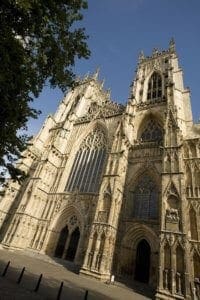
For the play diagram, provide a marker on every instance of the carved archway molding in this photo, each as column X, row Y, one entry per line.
column 148, row 115
column 128, row 253
column 151, row 171
column 138, row 232
column 94, row 125
column 69, row 216
column 63, row 217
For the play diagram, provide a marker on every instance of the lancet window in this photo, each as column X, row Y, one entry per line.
column 154, row 92
column 145, row 197
column 88, row 163
column 152, row 132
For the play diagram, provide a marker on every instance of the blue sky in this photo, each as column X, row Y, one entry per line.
column 118, row 30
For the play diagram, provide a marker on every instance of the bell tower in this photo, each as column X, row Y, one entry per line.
column 153, row 213
column 159, row 83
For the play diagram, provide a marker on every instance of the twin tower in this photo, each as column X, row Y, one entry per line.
column 113, row 188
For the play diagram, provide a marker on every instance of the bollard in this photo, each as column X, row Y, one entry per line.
column 20, row 276
column 38, row 283
column 86, row 295
column 6, row 269
column 60, row 291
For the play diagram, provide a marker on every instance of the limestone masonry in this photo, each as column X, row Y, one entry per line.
column 113, row 188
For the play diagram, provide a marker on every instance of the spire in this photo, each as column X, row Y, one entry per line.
column 102, row 83
column 96, row 73
column 172, row 45
column 87, row 75
column 78, row 78
column 155, row 51
column 108, row 93
column 141, row 56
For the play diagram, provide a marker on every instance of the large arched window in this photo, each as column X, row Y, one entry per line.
column 152, row 132
column 88, row 163
column 154, row 87
column 145, row 197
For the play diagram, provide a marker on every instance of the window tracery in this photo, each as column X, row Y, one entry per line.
column 88, row 163
column 94, row 140
column 152, row 132
column 145, row 197
column 154, row 87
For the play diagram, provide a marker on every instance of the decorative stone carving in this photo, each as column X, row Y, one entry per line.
column 102, row 216
column 73, row 220
column 172, row 215
column 96, row 139
column 106, row 109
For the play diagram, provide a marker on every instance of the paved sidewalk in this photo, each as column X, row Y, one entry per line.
column 54, row 273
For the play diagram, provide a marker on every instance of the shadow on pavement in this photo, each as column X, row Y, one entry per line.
column 137, row 287
column 48, row 290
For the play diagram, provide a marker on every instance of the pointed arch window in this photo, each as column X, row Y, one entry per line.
column 151, row 132
column 88, row 163
column 145, row 197
column 154, row 92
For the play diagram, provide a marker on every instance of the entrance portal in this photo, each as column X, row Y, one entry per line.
column 73, row 244
column 142, row 261
column 61, row 242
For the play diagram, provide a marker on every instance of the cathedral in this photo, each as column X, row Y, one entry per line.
column 115, row 188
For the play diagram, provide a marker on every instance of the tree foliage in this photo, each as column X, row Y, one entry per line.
column 39, row 41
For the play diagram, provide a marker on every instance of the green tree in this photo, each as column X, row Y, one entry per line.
column 39, row 42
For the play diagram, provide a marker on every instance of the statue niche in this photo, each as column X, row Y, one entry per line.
column 105, row 206
column 172, row 213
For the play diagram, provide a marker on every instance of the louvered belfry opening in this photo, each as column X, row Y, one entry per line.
column 154, row 92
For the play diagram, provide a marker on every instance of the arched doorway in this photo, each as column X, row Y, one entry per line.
column 73, row 244
column 142, row 261
column 61, row 242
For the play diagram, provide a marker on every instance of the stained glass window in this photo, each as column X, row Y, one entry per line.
column 88, row 163
column 152, row 132
column 154, row 87
column 145, row 197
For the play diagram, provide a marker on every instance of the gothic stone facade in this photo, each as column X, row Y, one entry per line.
column 113, row 188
